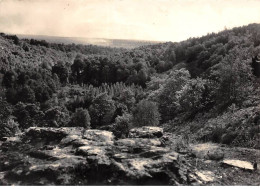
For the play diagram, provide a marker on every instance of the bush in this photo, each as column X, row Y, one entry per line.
column 57, row 116
column 9, row 128
column 7, row 125
column 122, row 125
column 182, row 144
column 217, row 134
column 28, row 115
column 80, row 118
column 191, row 95
column 228, row 138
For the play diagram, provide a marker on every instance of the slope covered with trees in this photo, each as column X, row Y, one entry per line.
column 204, row 87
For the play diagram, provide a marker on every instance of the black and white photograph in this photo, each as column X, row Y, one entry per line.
column 129, row 93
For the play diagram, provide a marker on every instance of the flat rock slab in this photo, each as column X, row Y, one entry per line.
column 91, row 150
column 146, row 132
column 206, row 176
column 98, row 135
column 145, row 167
column 137, row 142
column 238, row 163
column 52, row 133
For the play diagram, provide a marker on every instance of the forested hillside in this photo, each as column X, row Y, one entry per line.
column 203, row 88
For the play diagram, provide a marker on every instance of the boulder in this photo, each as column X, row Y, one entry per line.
column 146, row 132
column 215, row 155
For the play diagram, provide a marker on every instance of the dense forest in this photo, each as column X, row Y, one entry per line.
column 206, row 88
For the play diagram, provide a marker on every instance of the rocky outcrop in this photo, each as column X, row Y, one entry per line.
column 72, row 156
column 146, row 132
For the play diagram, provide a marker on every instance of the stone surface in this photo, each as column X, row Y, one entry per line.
column 215, row 155
column 146, row 132
column 138, row 142
column 207, row 151
column 206, row 176
column 72, row 156
column 98, row 135
column 238, row 163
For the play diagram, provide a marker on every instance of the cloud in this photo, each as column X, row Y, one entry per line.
column 169, row 20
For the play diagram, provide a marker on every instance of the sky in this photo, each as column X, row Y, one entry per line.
column 155, row 20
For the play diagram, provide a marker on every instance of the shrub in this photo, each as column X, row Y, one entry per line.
column 217, row 134
column 57, row 116
column 80, row 118
column 122, row 125
column 228, row 138
column 182, row 144
column 191, row 95
column 27, row 115
column 7, row 125
column 9, row 128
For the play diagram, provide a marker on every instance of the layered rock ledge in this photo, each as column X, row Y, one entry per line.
column 74, row 156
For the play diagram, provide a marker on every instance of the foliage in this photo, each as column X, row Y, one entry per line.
column 80, row 118
column 146, row 114
column 202, row 86
column 102, row 110
column 8, row 127
column 127, row 97
column 234, row 75
column 190, row 97
column 9, row 79
column 56, row 116
column 168, row 96
column 122, row 125
column 62, row 72
column 26, row 94
column 28, row 115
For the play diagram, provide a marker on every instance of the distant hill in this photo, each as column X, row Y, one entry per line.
column 115, row 43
